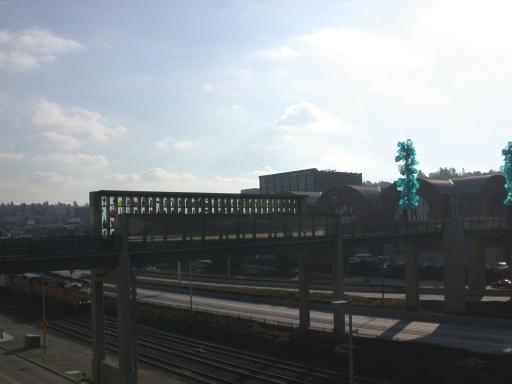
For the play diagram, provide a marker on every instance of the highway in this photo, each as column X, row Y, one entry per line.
column 372, row 292
column 472, row 337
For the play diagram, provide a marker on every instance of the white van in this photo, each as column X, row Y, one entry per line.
column 360, row 258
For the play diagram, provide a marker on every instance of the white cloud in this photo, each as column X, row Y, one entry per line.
column 160, row 174
column 24, row 50
column 267, row 170
column 49, row 178
column 160, row 179
column 181, row 145
column 91, row 124
column 279, row 53
column 306, row 125
column 39, row 186
column 11, row 157
column 207, row 87
column 73, row 161
column 57, row 140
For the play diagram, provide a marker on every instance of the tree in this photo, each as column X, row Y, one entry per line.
column 408, row 184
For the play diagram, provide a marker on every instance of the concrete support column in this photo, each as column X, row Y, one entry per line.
column 125, row 326
column 304, row 306
column 98, row 327
column 338, row 289
column 124, row 322
column 454, row 266
column 412, row 277
column 507, row 249
column 477, row 275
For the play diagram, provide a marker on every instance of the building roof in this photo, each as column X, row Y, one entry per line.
column 310, row 170
column 469, row 184
column 370, row 193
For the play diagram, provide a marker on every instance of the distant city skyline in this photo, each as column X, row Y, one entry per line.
column 207, row 96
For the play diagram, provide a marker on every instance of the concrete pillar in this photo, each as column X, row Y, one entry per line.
column 126, row 371
column 477, row 275
column 507, row 249
column 304, row 306
column 125, row 327
column 412, row 277
column 98, row 327
column 454, row 266
column 338, row 289
column 124, row 322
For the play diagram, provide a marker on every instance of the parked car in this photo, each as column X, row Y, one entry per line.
column 501, row 265
column 360, row 258
column 151, row 268
column 503, row 283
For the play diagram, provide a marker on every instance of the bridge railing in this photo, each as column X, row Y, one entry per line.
column 57, row 246
column 487, row 223
column 390, row 229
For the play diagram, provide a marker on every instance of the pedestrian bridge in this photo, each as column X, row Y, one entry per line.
column 154, row 238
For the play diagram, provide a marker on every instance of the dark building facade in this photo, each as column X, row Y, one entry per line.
column 307, row 180
column 475, row 196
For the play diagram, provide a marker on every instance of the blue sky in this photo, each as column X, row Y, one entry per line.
column 207, row 95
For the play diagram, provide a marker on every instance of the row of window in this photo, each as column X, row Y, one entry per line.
column 112, row 206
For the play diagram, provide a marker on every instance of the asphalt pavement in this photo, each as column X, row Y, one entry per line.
column 472, row 337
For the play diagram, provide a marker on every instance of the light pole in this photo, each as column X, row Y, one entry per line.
column 44, row 322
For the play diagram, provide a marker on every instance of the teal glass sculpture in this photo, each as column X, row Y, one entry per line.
column 507, row 171
column 408, row 184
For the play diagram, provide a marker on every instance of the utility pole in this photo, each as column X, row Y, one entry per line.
column 179, row 272
column 190, row 282
column 44, row 322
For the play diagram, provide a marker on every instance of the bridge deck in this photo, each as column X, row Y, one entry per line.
column 158, row 234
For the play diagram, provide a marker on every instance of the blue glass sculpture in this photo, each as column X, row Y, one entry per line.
column 408, row 184
column 507, row 171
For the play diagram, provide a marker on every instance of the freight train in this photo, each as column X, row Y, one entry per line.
column 58, row 292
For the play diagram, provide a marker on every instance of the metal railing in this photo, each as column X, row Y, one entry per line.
column 57, row 247
column 157, row 231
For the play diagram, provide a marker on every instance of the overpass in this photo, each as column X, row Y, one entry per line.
column 137, row 239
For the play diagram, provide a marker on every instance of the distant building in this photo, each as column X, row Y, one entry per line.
column 307, row 180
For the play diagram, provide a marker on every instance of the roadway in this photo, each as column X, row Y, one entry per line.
column 472, row 337
column 371, row 292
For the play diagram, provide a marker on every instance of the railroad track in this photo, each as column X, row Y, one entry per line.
column 195, row 360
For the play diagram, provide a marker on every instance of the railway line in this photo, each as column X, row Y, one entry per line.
column 193, row 360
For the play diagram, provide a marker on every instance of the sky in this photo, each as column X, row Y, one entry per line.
column 208, row 95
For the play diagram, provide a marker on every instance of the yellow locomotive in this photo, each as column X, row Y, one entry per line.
column 58, row 292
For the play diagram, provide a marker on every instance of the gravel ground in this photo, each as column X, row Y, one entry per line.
column 66, row 355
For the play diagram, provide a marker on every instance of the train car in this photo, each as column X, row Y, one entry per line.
column 24, row 285
column 60, row 292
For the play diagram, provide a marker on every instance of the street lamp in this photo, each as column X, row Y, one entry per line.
column 346, row 308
